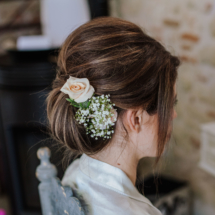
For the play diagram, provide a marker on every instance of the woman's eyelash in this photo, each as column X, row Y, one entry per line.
column 176, row 102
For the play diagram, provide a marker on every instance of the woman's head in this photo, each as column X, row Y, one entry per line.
column 119, row 59
column 143, row 131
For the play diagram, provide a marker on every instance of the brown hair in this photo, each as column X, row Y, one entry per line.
column 119, row 59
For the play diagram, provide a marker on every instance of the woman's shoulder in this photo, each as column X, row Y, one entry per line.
column 71, row 173
column 72, row 167
column 104, row 198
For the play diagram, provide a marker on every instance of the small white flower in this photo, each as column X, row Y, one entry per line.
column 100, row 114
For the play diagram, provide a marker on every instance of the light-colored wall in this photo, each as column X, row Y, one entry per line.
column 187, row 29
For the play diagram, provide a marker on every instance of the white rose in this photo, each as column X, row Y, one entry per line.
column 78, row 89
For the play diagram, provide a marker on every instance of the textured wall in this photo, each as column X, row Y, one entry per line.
column 187, row 29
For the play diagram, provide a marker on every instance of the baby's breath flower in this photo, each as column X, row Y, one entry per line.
column 99, row 117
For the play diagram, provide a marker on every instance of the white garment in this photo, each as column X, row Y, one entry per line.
column 107, row 189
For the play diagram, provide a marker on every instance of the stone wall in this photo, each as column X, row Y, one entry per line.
column 187, row 29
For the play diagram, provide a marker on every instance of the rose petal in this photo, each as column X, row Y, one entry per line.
column 77, row 87
column 85, row 96
column 65, row 88
column 71, row 78
column 80, row 80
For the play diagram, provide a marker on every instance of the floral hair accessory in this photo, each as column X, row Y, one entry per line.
column 96, row 113
column 78, row 89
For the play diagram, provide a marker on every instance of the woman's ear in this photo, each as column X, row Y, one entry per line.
column 133, row 120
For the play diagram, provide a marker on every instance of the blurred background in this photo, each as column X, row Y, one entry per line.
column 31, row 33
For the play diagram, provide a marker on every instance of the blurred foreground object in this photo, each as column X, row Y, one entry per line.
column 2, row 212
column 207, row 161
column 55, row 199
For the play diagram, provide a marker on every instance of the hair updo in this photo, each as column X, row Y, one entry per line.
column 119, row 59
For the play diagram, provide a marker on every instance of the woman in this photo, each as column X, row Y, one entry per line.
column 109, row 61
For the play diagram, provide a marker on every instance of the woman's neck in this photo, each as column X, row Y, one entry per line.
column 122, row 156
